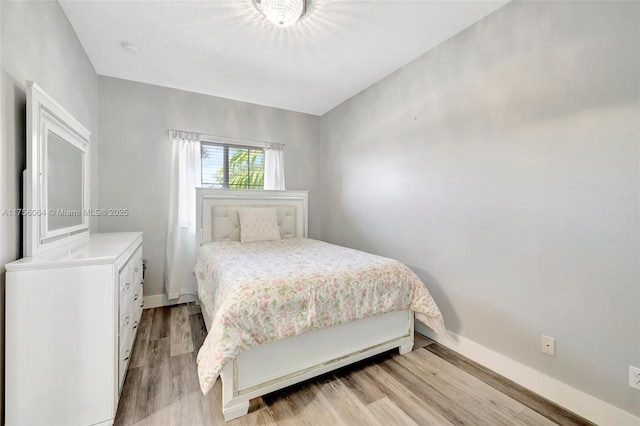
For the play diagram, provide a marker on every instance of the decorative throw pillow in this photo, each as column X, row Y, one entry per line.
column 258, row 224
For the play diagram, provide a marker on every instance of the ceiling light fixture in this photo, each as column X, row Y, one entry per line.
column 282, row 13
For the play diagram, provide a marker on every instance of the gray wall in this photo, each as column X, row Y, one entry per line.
column 37, row 43
column 135, row 154
column 503, row 167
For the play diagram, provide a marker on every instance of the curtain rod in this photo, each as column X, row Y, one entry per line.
column 226, row 139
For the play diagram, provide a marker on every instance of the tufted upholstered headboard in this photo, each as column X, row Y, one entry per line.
column 217, row 212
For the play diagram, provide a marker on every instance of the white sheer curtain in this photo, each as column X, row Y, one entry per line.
column 273, row 167
column 181, row 233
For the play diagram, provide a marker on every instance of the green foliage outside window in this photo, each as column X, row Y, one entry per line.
column 246, row 169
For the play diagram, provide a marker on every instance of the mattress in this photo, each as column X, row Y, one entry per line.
column 263, row 291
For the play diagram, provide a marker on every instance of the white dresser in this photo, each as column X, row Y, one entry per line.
column 72, row 314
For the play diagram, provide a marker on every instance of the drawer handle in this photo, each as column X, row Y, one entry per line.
column 135, row 325
column 135, row 297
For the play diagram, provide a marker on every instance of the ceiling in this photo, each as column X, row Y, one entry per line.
column 227, row 48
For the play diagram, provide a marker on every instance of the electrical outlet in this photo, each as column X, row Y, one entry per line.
column 634, row 377
column 548, row 345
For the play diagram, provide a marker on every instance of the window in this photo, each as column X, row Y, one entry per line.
column 232, row 166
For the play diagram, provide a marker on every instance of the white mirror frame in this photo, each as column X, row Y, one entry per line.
column 45, row 115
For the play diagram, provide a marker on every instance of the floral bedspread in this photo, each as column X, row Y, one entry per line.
column 263, row 291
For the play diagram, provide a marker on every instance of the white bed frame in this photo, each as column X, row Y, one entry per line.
column 274, row 365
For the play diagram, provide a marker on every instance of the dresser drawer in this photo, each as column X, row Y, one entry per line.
column 126, row 285
column 126, row 321
column 125, row 306
column 137, row 302
column 126, row 348
column 136, row 266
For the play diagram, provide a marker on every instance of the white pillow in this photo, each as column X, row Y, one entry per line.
column 258, row 224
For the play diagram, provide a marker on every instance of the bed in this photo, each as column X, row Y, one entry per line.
column 288, row 308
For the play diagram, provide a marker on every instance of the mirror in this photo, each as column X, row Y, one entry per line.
column 56, row 196
column 64, row 182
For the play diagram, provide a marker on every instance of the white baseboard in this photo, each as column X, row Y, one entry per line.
column 572, row 399
column 159, row 300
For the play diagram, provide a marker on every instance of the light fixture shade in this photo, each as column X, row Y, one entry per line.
column 282, row 13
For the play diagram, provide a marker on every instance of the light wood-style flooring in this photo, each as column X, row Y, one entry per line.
column 429, row 386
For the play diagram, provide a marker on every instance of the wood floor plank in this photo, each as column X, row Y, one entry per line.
column 388, row 413
column 127, row 405
column 437, row 398
column 256, row 404
column 420, row 341
column 161, row 327
column 283, row 409
column 198, row 331
column 156, row 418
column 193, row 308
column 344, row 403
column 417, row 409
column 180, row 333
column 301, row 404
column 310, row 407
column 141, row 343
column 186, row 397
column 530, row 417
column 510, row 388
column 458, row 384
column 155, row 385
column 262, row 417
column 361, row 386
column 212, row 404
column 466, row 381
